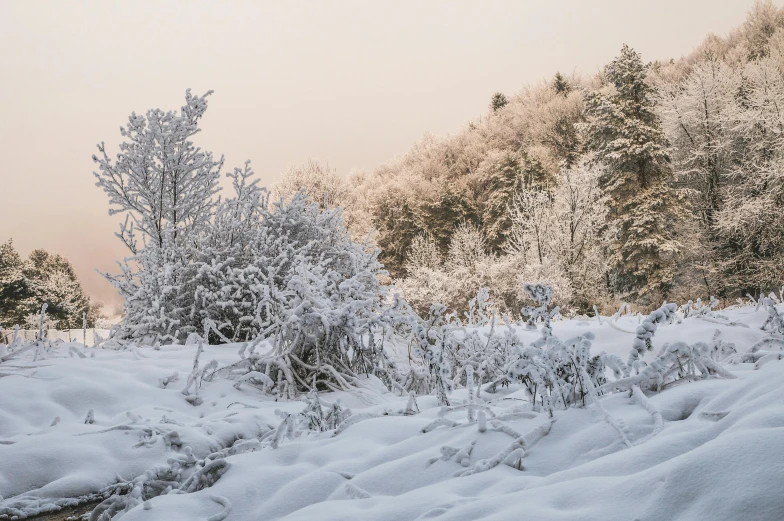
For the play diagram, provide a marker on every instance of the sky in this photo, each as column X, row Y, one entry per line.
column 350, row 83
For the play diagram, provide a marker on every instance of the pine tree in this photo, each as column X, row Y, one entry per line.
column 41, row 278
column 625, row 135
column 13, row 286
column 498, row 102
column 560, row 85
column 52, row 279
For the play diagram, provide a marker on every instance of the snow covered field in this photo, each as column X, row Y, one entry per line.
column 71, row 427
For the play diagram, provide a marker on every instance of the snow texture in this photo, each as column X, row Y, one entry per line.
column 698, row 448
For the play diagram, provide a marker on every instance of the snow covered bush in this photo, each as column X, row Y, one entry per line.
column 300, row 284
column 556, row 374
column 433, row 337
column 285, row 273
column 674, row 362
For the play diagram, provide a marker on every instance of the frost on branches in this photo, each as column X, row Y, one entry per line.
column 287, row 273
column 164, row 186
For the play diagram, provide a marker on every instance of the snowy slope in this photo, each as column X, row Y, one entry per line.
column 720, row 455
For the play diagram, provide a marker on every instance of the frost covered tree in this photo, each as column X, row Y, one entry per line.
column 52, row 279
column 624, row 133
column 575, row 240
column 321, row 183
column 530, row 213
column 328, row 189
column 25, row 284
column 164, row 185
column 699, row 115
column 503, row 174
column 13, row 287
column 750, row 218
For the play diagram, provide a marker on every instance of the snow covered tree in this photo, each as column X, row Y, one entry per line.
column 624, row 133
column 13, row 286
column 41, row 278
column 320, row 182
column 52, row 279
column 165, row 187
column 305, row 287
column 763, row 20
column 750, row 219
column 328, row 189
column 502, row 175
column 697, row 115
column 530, row 214
column 574, row 238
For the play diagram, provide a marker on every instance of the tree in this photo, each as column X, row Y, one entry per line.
column 503, row 174
column 574, row 234
column 498, row 101
column 625, row 136
column 320, row 182
column 165, row 187
column 750, row 218
column 761, row 23
column 700, row 116
column 290, row 275
column 560, row 85
column 52, row 280
column 328, row 189
column 530, row 214
column 41, row 278
column 13, row 286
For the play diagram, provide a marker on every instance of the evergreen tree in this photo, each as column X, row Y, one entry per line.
column 625, row 135
column 498, row 102
column 560, row 85
column 43, row 277
column 52, row 279
column 13, row 286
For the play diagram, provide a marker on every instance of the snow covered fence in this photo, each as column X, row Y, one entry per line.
column 66, row 335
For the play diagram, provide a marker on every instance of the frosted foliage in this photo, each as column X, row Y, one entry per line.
column 286, row 272
column 164, row 186
column 423, row 255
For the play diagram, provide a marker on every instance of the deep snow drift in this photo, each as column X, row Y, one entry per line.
column 71, row 427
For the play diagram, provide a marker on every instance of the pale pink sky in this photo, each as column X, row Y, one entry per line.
column 350, row 83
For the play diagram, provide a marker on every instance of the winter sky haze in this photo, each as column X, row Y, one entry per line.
column 353, row 84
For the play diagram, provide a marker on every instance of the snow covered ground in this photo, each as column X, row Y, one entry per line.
column 719, row 455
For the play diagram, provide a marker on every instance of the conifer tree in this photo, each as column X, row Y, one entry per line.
column 498, row 102
column 625, row 136
column 560, row 85
column 25, row 284
column 13, row 287
column 51, row 279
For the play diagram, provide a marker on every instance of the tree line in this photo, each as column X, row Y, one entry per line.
column 643, row 182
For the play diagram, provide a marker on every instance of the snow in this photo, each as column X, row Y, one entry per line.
column 708, row 449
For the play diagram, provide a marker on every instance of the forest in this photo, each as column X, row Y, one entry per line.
column 641, row 183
